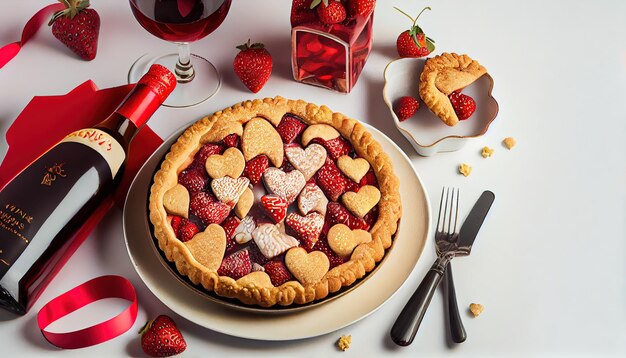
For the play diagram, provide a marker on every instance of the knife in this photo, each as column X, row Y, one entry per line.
column 468, row 233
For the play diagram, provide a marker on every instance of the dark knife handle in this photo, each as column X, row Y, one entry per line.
column 406, row 325
column 457, row 331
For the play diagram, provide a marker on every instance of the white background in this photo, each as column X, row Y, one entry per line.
column 549, row 264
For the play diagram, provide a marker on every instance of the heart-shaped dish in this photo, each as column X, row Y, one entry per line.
column 425, row 131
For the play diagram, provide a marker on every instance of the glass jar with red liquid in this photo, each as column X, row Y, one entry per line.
column 330, row 55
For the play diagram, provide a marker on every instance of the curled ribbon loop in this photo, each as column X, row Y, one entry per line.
column 82, row 295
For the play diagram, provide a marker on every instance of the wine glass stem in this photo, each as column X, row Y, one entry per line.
column 184, row 69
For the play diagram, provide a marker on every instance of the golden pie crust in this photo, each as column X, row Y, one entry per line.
column 444, row 74
column 256, row 288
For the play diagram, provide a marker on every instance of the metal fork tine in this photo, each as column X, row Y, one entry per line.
column 446, row 214
column 440, row 209
column 456, row 214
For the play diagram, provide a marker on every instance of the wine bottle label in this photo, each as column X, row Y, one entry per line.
column 103, row 143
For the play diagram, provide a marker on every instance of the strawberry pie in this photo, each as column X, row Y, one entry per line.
column 275, row 202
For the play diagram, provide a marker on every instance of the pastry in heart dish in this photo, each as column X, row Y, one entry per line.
column 275, row 202
column 443, row 75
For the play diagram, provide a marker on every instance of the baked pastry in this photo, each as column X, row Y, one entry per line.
column 444, row 74
column 275, row 202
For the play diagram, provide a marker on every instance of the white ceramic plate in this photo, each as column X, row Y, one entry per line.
column 425, row 131
column 336, row 314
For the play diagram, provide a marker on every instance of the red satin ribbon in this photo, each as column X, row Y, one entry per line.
column 82, row 295
column 42, row 16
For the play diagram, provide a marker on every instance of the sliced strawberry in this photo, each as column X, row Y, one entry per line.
column 194, row 179
column 183, row 228
column 333, row 258
column 255, row 167
column 463, row 105
column 336, row 147
column 236, row 265
column 229, row 225
column 275, row 206
column 204, row 152
column 369, row 179
column 231, row 140
column 371, row 217
column 332, row 181
column 287, row 167
column 338, row 214
column 278, row 272
column 255, row 254
column 307, row 228
column 206, row 207
column 290, row 127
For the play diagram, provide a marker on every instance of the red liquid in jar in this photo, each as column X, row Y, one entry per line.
column 180, row 20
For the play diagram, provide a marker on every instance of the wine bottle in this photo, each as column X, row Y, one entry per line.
column 42, row 208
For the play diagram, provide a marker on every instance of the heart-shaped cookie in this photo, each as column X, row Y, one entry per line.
column 312, row 198
column 256, row 279
column 287, row 185
column 176, row 201
column 322, row 131
column 217, row 134
column 308, row 161
column 271, row 241
column 307, row 227
column 228, row 190
column 260, row 137
column 243, row 232
column 208, row 247
column 308, row 268
column 354, row 169
column 363, row 201
column 245, row 202
column 231, row 164
column 342, row 240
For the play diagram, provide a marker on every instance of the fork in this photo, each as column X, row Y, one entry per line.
column 446, row 235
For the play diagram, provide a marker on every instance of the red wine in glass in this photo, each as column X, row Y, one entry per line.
column 181, row 22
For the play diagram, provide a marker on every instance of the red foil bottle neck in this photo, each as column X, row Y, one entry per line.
column 140, row 104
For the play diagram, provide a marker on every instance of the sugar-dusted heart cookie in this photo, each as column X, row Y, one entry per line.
column 260, row 137
column 354, row 169
column 323, row 131
column 308, row 268
column 256, row 278
column 363, row 201
column 176, row 201
column 228, row 190
column 231, row 164
column 312, row 198
column 271, row 241
column 307, row 227
column 308, row 161
column 218, row 132
column 245, row 202
column 243, row 232
column 342, row 240
column 208, row 247
column 287, row 185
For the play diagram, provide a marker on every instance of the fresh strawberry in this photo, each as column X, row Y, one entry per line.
column 199, row 159
column 287, row 167
column 336, row 147
column 255, row 167
column 194, row 179
column 406, row 107
column 253, row 65
column 278, row 272
column 301, row 12
column 332, row 181
column 413, row 42
column 231, row 140
column 161, row 338
column 236, row 265
column 369, row 179
column 329, row 11
column 275, row 206
column 206, row 207
column 183, row 228
column 307, row 228
column 333, row 258
column 360, row 7
column 338, row 214
column 289, row 128
column 229, row 225
column 463, row 105
column 77, row 27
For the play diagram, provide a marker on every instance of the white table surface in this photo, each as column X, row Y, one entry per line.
column 549, row 264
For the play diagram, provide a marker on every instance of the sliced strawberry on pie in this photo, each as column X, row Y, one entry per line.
column 369, row 179
column 194, row 179
column 255, row 254
column 332, row 181
column 275, row 206
column 255, row 167
column 204, row 152
column 231, row 140
column 183, row 228
column 307, row 228
column 333, row 258
column 230, row 224
column 277, row 272
column 336, row 147
column 290, row 128
column 207, row 208
column 236, row 265
column 338, row 214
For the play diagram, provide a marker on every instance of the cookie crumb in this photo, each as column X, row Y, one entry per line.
column 509, row 142
column 344, row 342
column 476, row 309
column 487, row 152
column 465, row 169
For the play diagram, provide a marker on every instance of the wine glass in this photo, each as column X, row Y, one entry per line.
column 181, row 22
